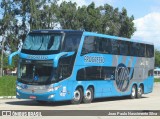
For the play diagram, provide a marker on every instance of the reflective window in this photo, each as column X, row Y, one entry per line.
column 142, row 50
column 134, row 49
column 71, row 42
column 124, row 47
column 89, row 45
column 36, row 72
column 42, row 42
column 94, row 44
column 149, row 51
column 115, row 47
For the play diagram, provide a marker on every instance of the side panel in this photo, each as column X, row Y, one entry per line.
column 112, row 75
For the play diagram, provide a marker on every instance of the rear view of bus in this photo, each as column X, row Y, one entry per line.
column 59, row 65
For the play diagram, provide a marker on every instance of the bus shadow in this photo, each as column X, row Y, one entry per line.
column 34, row 103
column 63, row 103
column 109, row 99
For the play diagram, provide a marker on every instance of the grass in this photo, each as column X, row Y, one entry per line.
column 156, row 80
column 8, row 86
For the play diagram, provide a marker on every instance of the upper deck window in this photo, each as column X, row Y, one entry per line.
column 42, row 42
column 71, row 42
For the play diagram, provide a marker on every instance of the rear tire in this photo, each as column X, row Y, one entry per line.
column 89, row 96
column 77, row 96
column 140, row 91
column 133, row 92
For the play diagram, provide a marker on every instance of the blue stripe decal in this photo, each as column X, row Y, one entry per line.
column 127, row 61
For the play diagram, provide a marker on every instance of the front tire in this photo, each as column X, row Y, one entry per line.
column 140, row 92
column 89, row 96
column 133, row 92
column 78, row 95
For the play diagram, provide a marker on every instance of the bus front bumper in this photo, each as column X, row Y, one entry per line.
column 48, row 96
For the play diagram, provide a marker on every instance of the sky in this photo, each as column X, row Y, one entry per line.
column 145, row 12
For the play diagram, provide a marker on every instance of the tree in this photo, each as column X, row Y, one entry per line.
column 7, row 24
column 48, row 19
column 21, row 16
column 103, row 19
column 157, row 58
column 127, row 26
column 66, row 14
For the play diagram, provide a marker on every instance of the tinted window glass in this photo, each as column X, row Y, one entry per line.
column 149, row 50
column 123, row 46
column 42, row 42
column 104, row 45
column 96, row 73
column 141, row 50
column 71, row 42
column 134, row 49
column 89, row 45
column 101, row 45
column 115, row 47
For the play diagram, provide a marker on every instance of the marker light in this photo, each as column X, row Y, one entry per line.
column 51, row 96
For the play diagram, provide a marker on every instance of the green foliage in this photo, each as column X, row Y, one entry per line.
column 20, row 16
column 157, row 80
column 157, row 58
column 8, row 86
column 104, row 19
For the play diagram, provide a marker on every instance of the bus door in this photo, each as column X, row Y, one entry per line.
column 107, row 74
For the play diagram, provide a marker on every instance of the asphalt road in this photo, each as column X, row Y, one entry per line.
column 147, row 102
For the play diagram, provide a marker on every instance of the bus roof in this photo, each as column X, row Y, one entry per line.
column 56, row 31
column 89, row 34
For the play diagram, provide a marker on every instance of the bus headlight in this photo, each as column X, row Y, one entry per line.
column 18, row 87
column 51, row 96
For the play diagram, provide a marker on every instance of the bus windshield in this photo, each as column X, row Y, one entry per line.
column 36, row 72
column 42, row 42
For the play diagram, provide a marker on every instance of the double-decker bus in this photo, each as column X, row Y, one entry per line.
column 58, row 65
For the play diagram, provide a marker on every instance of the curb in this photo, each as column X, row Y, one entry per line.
column 7, row 97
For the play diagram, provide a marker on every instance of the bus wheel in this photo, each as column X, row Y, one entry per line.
column 77, row 98
column 133, row 92
column 89, row 96
column 140, row 91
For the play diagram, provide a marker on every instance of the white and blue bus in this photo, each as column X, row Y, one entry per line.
column 59, row 65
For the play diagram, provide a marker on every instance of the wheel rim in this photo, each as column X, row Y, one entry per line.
column 77, row 95
column 133, row 91
column 139, row 90
column 88, row 95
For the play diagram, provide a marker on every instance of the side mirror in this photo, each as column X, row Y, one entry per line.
column 11, row 56
column 56, row 59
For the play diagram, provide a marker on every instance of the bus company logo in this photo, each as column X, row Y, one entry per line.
column 94, row 59
column 122, row 77
column 41, row 57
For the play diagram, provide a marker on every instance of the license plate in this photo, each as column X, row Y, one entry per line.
column 32, row 97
